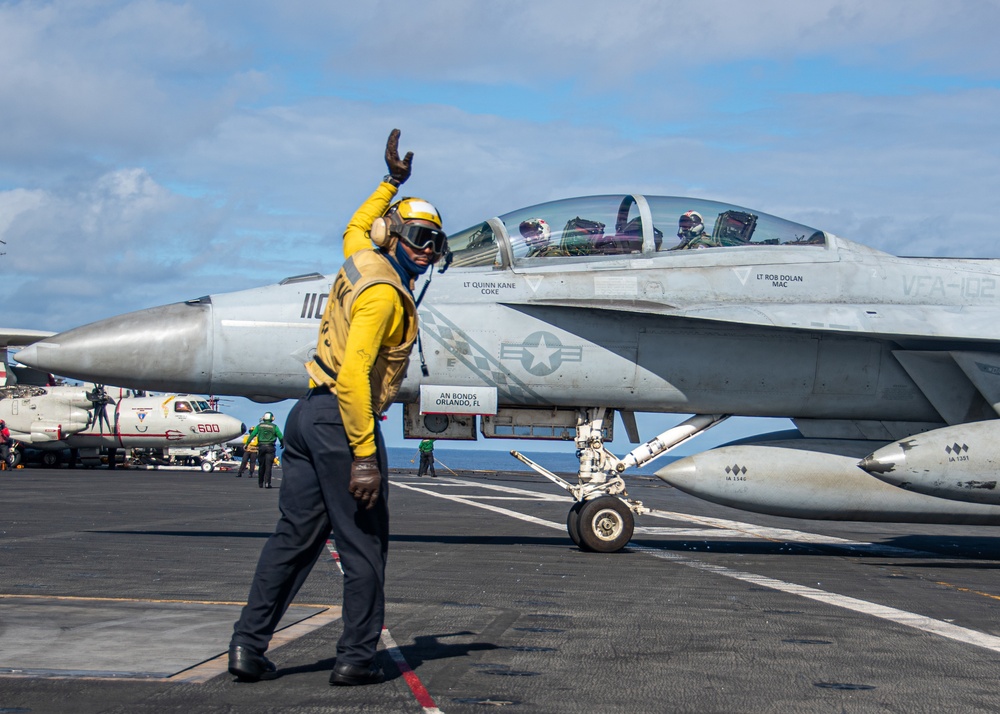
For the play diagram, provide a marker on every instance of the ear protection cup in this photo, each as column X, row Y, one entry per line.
column 380, row 232
column 384, row 226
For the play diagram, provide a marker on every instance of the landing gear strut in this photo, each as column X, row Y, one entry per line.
column 603, row 517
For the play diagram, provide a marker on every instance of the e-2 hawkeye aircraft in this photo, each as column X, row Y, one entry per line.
column 89, row 418
column 553, row 317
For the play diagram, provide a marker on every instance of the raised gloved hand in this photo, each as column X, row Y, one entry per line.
column 365, row 480
column 399, row 169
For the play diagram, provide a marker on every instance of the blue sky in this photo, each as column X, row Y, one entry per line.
column 155, row 151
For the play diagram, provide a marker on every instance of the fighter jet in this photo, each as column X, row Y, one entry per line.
column 552, row 318
column 89, row 418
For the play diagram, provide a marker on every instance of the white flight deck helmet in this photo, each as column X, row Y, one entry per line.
column 691, row 225
column 536, row 232
column 268, row 417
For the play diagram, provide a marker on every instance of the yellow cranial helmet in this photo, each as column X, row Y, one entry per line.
column 410, row 209
column 397, row 221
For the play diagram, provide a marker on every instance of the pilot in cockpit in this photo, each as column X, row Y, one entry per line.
column 537, row 236
column 691, row 231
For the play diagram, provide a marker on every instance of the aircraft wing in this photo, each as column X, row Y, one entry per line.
column 15, row 337
column 942, row 322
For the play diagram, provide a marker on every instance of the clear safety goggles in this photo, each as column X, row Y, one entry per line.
column 421, row 237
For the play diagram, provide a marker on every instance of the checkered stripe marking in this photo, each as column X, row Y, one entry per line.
column 446, row 333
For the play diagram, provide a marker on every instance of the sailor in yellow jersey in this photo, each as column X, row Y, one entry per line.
column 334, row 467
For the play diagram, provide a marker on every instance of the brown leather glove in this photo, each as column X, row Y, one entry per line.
column 399, row 169
column 365, row 480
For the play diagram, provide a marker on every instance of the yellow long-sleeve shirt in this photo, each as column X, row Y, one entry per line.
column 377, row 318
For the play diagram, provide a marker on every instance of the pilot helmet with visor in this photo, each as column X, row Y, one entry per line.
column 536, row 232
column 690, row 225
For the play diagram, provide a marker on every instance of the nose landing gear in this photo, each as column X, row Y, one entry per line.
column 602, row 525
column 603, row 518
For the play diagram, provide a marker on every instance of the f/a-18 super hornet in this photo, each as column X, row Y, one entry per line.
column 552, row 318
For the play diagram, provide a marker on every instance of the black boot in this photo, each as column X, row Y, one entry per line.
column 350, row 675
column 248, row 665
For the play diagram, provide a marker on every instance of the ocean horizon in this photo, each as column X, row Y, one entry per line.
column 560, row 462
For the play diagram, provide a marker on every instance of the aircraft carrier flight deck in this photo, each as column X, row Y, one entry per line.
column 118, row 591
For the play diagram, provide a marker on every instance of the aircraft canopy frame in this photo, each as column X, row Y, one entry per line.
column 598, row 228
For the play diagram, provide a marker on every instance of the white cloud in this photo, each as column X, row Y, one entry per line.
column 154, row 151
column 14, row 203
column 174, row 149
column 524, row 41
column 91, row 80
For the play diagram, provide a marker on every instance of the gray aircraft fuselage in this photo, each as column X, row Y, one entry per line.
column 776, row 319
column 806, row 332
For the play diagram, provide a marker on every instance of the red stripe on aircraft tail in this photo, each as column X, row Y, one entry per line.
column 119, row 435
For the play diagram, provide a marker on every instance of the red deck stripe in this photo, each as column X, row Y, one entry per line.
column 420, row 693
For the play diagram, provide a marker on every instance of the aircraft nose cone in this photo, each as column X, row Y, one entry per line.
column 27, row 355
column 883, row 461
column 682, row 474
column 164, row 348
column 231, row 427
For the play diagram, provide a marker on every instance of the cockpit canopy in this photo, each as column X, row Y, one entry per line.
column 594, row 227
column 189, row 405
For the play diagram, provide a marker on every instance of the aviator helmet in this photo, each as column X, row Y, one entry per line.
column 691, row 225
column 536, row 232
column 268, row 417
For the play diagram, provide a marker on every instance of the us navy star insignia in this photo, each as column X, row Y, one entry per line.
column 541, row 353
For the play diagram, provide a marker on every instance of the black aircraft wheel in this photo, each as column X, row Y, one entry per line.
column 606, row 524
column 50, row 459
column 573, row 524
column 13, row 458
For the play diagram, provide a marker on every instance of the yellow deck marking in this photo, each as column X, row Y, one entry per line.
column 960, row 589
column 79, row 598
column 203, row 671
column 214, row 667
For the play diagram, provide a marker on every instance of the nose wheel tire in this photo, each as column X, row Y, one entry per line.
column 605, row 524
column 573, row 524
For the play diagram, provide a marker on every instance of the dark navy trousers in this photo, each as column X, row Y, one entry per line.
column 265, row 462
column 314, row 500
